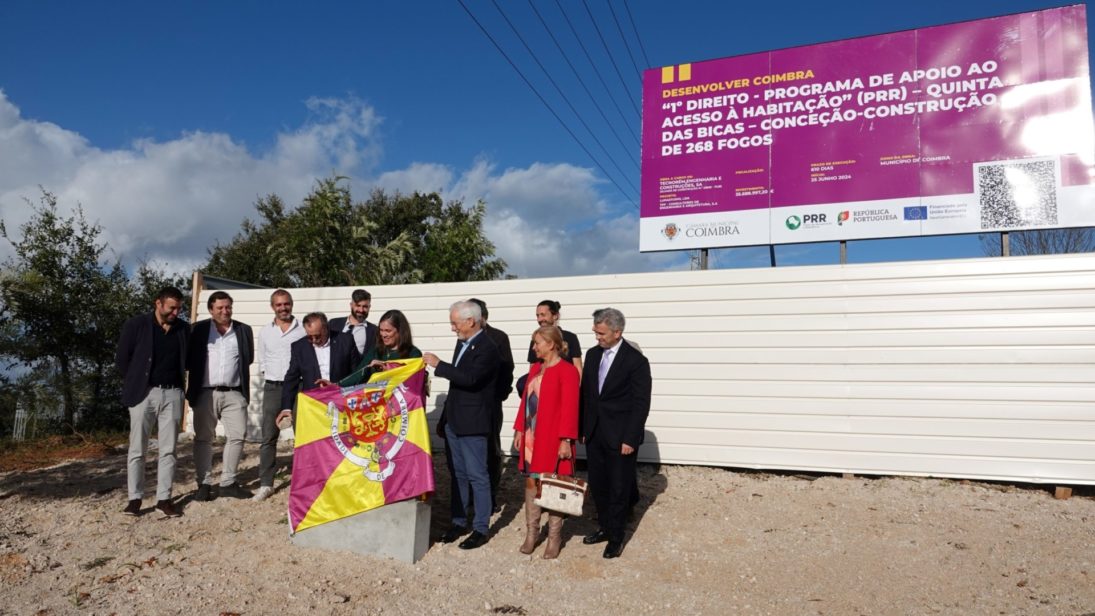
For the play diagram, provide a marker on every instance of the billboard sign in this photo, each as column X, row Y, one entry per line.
column 963, row 128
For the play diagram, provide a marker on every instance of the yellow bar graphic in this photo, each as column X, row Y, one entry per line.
column 685, row 72
column 667, row 74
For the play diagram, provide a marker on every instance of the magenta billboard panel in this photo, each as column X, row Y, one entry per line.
column 977, row 126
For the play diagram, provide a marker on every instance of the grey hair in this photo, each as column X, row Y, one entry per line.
column 611, row 317
column 468, row 310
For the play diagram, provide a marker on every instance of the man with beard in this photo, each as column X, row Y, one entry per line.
column 363, row 332
column 151, row 357
column 275, row 340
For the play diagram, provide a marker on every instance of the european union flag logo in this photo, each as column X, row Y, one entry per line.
column 916, row 212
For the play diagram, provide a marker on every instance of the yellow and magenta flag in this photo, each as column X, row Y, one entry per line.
column 361, row 447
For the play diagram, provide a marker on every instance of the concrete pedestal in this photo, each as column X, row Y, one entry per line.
column 399, row 530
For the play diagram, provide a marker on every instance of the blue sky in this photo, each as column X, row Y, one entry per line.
column 167, row 121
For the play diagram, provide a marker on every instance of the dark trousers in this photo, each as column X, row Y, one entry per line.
column 494, row 454
column 612, row 481
column 268, row 450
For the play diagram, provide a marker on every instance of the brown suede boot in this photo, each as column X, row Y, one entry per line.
column 555, row 535
column 532, row 517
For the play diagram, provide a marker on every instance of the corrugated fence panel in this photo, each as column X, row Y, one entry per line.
column 980, row 368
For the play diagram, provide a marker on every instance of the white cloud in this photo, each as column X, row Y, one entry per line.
column 169, row 201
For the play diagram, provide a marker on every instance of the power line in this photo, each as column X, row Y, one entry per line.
column 582, row 81
column 544, row 101
column 596, row 71
column 611, row 58
column 630, row 55
column 637, row 37
column 562, row 94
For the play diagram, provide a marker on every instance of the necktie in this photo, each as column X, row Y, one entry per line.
column 602, row 371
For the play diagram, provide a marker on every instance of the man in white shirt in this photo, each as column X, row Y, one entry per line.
column 275, row 341
column 220, row 353
column 318, row 360
column 362, row 331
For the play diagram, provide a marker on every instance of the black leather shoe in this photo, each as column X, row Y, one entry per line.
column 614, row 549
column 597, row 537
column 474, row 540
column 453, row 534
column 133, row 507
column 235, row 490
column 205, row 493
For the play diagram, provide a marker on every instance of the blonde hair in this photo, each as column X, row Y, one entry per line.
column 554, row 335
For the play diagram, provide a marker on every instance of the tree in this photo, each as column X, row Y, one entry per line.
column 330, row 240
column 1041, row 242
column 62, row 310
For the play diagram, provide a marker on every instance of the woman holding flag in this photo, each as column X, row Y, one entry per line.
column 393, row 342
column 545, row 430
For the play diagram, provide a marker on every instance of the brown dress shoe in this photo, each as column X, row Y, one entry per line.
column 133, row 508
column 167, row 509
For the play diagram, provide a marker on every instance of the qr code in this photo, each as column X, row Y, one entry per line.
column 1016, row 194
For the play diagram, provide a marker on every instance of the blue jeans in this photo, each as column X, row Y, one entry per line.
column 469, row 466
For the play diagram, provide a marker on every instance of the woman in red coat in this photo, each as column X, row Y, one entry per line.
column 545, row 430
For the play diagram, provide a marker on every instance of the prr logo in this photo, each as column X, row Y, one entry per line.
column 793, row 222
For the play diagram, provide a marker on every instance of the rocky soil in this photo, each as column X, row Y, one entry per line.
column 705, row 541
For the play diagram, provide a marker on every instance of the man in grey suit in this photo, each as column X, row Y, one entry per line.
column 614, row 404
column 221, row 350
column 466, row 420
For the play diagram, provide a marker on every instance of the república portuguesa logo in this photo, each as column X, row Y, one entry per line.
column 842, row 217
column 793, row 222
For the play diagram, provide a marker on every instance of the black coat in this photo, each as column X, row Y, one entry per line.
column 619, row 411
column 303, row 369
column 473, row 389
column 335, row 327
column 504, row 384
column 134, row 355
column 198, row 355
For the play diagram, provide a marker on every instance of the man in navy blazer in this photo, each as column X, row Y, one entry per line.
column 615, row 402
column 221, row 351
column 362, row 331
column 467, row 419
column 151, row 357
column 316, row 360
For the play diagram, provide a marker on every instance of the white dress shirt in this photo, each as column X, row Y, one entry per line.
column 360, row 332
column 323, row 356
column 274, row 346
column 222, row 363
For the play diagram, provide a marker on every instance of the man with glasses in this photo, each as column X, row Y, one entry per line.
column 317, row 360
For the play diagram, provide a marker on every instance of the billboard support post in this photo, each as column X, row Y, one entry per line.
column 843, row 252
column 1005, row 245
column 772, row 254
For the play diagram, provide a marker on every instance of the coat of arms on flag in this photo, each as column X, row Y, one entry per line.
column 361, row 447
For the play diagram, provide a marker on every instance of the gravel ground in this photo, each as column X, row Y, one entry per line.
column 705, row 541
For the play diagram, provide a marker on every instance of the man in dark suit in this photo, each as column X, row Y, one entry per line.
column 151, row 357
column 504, row 385
column 316, row 360
column 466, row 420
column 615, row 402
column 362, row 331
column 221, row 350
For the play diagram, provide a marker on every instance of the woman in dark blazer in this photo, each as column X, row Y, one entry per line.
column 545, row 430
